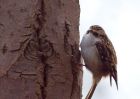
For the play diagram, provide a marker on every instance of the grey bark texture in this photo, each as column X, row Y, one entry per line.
column 39, row 49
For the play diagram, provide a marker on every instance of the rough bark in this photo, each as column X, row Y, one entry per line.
column 39, row 49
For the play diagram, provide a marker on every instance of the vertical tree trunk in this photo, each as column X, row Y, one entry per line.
column 39, row 49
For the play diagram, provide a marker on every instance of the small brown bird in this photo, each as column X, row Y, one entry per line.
column 99, row 56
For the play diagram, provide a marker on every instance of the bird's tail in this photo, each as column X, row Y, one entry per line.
column 114, row 75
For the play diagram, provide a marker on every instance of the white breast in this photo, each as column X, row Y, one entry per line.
column 89, row 51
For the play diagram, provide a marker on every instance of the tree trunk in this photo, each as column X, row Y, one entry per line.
column 39, row 49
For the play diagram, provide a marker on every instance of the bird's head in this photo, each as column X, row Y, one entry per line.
column 97, row 30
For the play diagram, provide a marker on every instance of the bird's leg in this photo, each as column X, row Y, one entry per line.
column 92, row 89
column 95, row 82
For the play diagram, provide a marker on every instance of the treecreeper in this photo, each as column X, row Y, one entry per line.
column 99, row 56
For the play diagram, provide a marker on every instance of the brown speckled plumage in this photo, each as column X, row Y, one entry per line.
column 99, row 56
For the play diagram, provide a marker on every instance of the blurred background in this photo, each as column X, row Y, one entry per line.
column 121, row 21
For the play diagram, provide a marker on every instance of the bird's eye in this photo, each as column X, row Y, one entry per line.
column 95, row 34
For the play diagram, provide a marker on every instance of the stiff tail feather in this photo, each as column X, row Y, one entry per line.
column 114, row 75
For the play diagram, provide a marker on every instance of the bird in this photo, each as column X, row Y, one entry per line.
column 99, row 56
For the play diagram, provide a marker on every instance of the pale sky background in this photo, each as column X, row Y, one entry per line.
column 121, row 21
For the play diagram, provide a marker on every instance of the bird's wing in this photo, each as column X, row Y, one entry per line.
column 108, row 57
column 107, row 53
